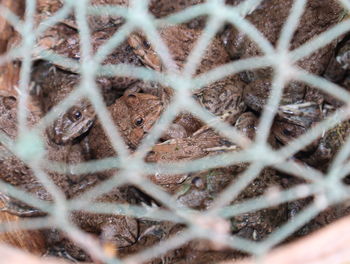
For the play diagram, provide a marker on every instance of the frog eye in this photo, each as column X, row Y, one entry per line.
column 146, row 44
column 198, row 183
column 138, row 121
column 77, row 115
column 287, row 132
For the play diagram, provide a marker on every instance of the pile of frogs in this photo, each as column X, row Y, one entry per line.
column 135, row 106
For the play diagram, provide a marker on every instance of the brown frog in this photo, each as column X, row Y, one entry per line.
column 180, row 41
column 221, row 97
column 167, row 7
column 66, row 42
column 202, row 143
column 164, row 8
column 247, row 124
column 118, row 229
column 134, row 115
column 159, row 9
column 329, row 145
column 46, row 9
column 224, row 97
column 193, row 147
column 269, row 19
column 256, row 93
column 199, row 190
column 52, row 86
column 184, row 124
column 338, row 67
column 294, row 120
column 318, row 16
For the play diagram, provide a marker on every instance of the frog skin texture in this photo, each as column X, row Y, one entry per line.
column 221, row 97
column 121, row 230
column 52, row 86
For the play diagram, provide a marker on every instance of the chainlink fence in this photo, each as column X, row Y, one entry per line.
column 326, row 189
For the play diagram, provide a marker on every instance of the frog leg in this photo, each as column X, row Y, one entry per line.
column 155, row 230
column 159, row 230
column 15, row 207
column 135, row 195
column 86, row 148
column 61, row 252
column 59, row 246
column 121, row 230
column 133, row 88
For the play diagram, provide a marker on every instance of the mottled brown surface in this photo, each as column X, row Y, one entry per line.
column 270, row 17
column 51, row 86
column 180, row 40
column 164, row 8
column 9, row 77
column 28, row 240
column 222, row 97
column 14, row 171
column 329, row 245
column 135, row 113
column 17, row 7
column 9, row 72
column 65, row 41
column 15, row 256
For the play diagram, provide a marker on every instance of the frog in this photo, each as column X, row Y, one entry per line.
column 246, row 123
column 269, row 18
column 53, row 85
column 164, row 8
column 256, row 93
column 283, row 130
column 328, row 146
column 159, row 9
column 73, row 124
column 184, row 123
column 66, row 42
column 134, row 114
column 122, row 231
column 223, row 96
column 201, row 189
column 204, row 142
column 338, row 66
column 198, row 190
column 259, row 81
column 46, row 9
column 294, row 120
column 180, row 40
column 163, row 92
column 199, row 145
